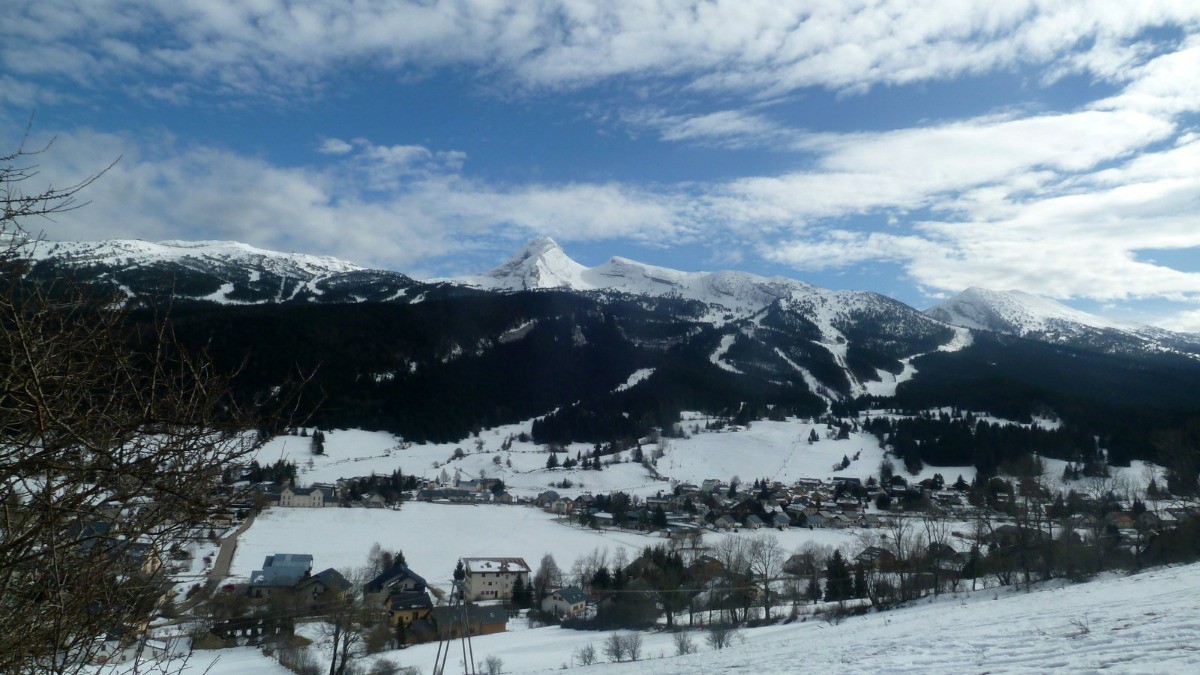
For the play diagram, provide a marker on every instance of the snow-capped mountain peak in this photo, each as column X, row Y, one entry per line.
column 1032, row 316
column 129, row 253
column 1017, row 313
column 541, row 263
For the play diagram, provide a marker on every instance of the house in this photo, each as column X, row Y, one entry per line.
column 317, row 496
column 322, row 586
column 565, row 602
column 754, row 522
column 395, row 579
column 479, row 619
column 406, row 607
column 493, row 578
column 800, row 564
column 780, row 521
column 875, row 556
column 280, row 572
column 724, row 523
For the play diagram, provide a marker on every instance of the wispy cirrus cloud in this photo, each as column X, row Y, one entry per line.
column 756, row 47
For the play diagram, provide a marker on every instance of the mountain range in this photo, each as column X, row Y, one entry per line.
column 613, row 350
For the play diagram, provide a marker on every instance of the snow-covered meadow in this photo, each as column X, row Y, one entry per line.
column 766, row 449
column 434, row 536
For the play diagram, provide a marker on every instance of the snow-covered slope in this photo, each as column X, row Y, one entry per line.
column 540, row 264
column 225, row 272
column 543, row 264
column 200, row 255
column 1016, row 312
column 1027, row 315
column 1144, row 623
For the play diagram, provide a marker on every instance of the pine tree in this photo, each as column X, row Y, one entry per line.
column 813, row 591
column 460, row 572
column 660, row 517
column 522, row 595
column 552, row 460
column 860, row 581
column 837, row 578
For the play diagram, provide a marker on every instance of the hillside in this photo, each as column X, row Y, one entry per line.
column 1137, row 624
column 612, row 352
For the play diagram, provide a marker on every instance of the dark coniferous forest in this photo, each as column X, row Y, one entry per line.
column 440, row 369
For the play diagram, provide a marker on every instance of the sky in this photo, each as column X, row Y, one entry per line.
column 909, row 147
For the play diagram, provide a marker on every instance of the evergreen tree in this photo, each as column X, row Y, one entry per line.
column 460, row 572
column 552, row 460
column 660, row 518
column 813, row 590
column 837, row 578
column 860, row 581
column 522, row 595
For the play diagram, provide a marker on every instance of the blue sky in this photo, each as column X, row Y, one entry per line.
column 910, row 147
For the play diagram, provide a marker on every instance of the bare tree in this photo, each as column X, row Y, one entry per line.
column 348, row 619
column 633, row 646
column 733, row 590
column 720, row 635
column 547, row 578
column 111, row 453
column 492, row 665
column 765, row 558
column 684, row 644
column 614, row 647
column 937, row 533
column 586, row 655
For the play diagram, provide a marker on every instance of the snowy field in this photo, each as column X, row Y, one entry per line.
column 1146, row 623
column 353, row 452
column 234, row 661
column 434, row 536
column 773, row 450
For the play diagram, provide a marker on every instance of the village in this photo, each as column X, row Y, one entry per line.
column 712, row 554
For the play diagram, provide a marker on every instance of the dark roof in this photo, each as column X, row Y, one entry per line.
column 571, row 595
column 410, row 600
column 282, row 569
column 487, row 614
column 330, row 578
column 397, row 572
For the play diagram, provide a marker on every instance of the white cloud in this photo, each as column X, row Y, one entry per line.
column 762, row 47
column 1185, row 322
column 723, row 128
column 160, row 190
column 334, row 146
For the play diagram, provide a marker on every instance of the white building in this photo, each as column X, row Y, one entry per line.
column 493, row 578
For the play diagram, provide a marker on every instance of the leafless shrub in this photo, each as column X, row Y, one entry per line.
column 586, row 655
column 684, row 644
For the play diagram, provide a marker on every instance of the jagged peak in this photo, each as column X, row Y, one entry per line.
column 540, row 263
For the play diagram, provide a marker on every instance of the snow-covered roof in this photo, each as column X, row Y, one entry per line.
column 480, row 565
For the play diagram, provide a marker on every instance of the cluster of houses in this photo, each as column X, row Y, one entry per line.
column 415, row 611
column 315, row 496
column 712, row 505
column 325, row 495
